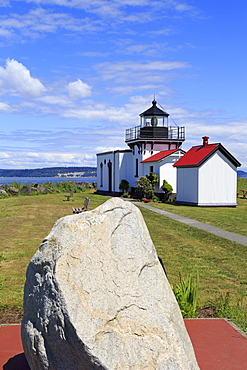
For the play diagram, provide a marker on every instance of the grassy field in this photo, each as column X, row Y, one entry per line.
column 26, row 220
column 230, row 219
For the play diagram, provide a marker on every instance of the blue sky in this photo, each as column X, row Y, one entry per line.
column 74, row 74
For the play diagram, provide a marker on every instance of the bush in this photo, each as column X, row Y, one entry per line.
column 144, row 186
column 155, row 198
column 153, row 178
column 186, row 294
column 125, row 195
column 167, row 189
column 124, row 185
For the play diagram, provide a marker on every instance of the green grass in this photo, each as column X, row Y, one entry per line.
column 221, row 263
column 26, row 221
column 228, row 218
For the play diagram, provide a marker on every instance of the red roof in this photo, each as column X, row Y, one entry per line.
column 160, row 155
column 199, row 154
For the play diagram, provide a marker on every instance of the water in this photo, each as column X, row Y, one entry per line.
column 42, row 180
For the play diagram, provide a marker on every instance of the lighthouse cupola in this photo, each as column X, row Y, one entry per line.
column 154, row 116
column 154, row 132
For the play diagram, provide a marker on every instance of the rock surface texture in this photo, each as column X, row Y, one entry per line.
column 96, row 297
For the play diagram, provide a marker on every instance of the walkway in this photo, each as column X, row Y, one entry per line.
column 217, row 345
column 199, row 225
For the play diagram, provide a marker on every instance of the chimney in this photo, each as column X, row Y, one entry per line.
column 205, row 140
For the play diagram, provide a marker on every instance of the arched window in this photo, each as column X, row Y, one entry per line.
column 101, row 174
column 109, row 164
column 137, row 164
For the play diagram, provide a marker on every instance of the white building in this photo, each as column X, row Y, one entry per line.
column 207, row 176
column 154, row 146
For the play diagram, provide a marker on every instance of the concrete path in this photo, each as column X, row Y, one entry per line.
column 199, row 225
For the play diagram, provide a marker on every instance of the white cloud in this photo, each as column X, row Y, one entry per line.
column 117, row 7
column 27, row 159
column 101, row 149
column 38, row 22
column 111, row 69
column 78, row 89
column 5, row 108
column 106, row 15
column 4, row 3
column 183, row 7
column 93, row 54
column 15, row 78
column 100, row 112
column 58, row 100
column 139, row 73
column 4, row 155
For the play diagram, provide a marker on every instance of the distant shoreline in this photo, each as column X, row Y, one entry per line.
column 50, row 172
column 44, row 179
column 55, row 177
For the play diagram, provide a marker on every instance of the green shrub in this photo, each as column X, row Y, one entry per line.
column 167, row 189
column 186, row 292
column 155, row 198
column 124, row 185
column 235, row 310
column 153, row 178
column 144, row 186
column 16, row 185
column 125, row 195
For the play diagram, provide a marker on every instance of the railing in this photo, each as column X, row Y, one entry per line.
column 158, row 132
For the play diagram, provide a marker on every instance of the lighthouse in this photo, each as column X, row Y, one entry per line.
column 153, row 146
column 154, row 133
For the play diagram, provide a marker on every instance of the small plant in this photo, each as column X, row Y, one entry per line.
column 125, row 195
column 1, row 280
column 155, row 198
column 186, row 292
column 16, row 185
column 153, row 178
column 167, row 189
column 145, row 200
column 144, row 186
column 124, row 186
column 230, row 308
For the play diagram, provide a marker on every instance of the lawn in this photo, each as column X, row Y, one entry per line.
column 233, row 219
column 26, row 221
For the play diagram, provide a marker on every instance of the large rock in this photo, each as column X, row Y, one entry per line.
column 96, row 297
column 3, row 192
column 13, row 190
column 26, row 190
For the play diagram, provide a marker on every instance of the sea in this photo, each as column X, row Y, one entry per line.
column 43, row 180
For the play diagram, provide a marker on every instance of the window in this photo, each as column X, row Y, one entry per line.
column 136, row 175
column 151, row 169
column 101, row 174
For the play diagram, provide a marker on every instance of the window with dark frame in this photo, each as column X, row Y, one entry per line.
column 136, row 175
column 101, row 174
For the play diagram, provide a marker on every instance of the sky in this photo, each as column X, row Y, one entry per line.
column 75, row 74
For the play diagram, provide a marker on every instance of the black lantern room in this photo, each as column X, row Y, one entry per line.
column 154, row 128
column 154, row 116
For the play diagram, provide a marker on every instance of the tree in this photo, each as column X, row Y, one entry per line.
column 124, row 185
column 144, row 185
column 153, row 178
column 167, row 189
